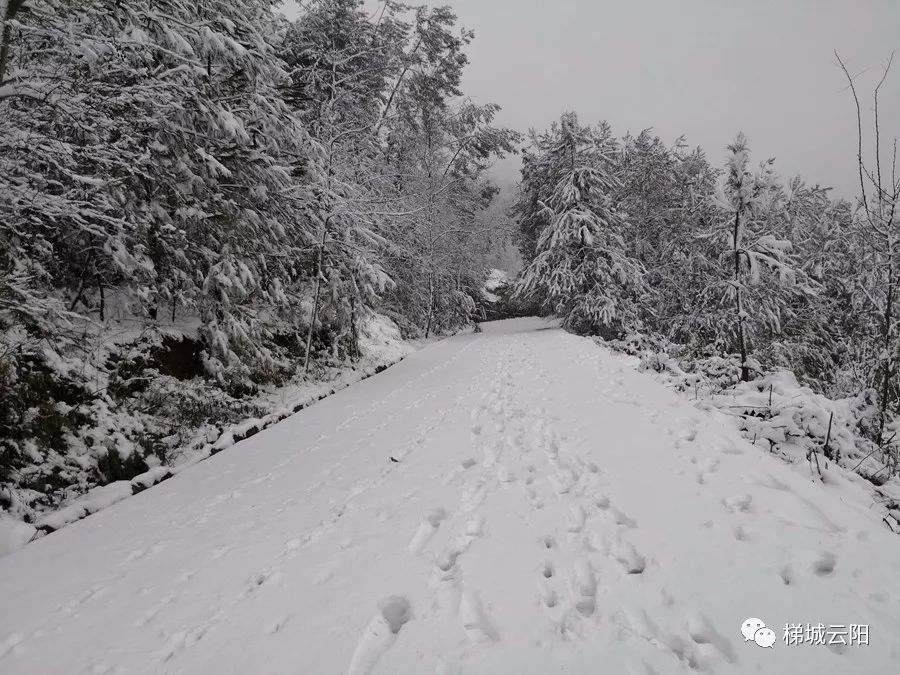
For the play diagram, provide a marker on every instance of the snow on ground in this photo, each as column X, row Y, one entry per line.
column 818, row 436
column 549, row 511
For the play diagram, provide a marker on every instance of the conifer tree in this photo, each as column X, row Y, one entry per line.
column 581, row 270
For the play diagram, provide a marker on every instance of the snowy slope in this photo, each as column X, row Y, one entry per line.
column 551, row 511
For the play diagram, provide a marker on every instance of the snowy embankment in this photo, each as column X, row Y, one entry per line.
column 820, row 438
column 380, row 347
column 517, row 501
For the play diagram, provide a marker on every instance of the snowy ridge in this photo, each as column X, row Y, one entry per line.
column 516, row 501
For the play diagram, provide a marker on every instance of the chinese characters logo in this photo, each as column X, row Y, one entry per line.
column 847, row 635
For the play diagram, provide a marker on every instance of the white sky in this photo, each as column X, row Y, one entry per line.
column 703, row 68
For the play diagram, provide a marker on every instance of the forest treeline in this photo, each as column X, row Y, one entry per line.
column 632, row 237
column 203, row 200
column 258, row 184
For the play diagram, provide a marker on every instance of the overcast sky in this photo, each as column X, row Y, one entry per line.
column 703, row 68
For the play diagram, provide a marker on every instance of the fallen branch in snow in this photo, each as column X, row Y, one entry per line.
column 809, row 455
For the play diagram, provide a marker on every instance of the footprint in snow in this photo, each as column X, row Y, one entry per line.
column 380, row 634
column 276, row 626
column 622, row 519
column 548, row 596
column 475, row 526
column 186, row 639
column 264, row 578
column 262, row 479
column 787, row 575
column 137, row 554
column 584, row 587
column 878, row 597
column 740, row 533
column 552, row 449
column 546, row 593
column 474, row 622
column 152, row 613
column 739, row 503
column 824, row 563
column 491, row 454
column 705, row 468
column 637, row 621
column 547, row 570
column 575, row 519
column 536, row 502
column 704, row 632
column 426, row 530
column 472, row 498
column 627, row 556
column 186, row 577
column 563, row 481
column 708, row 465
column 445, row 561
column 95, row 591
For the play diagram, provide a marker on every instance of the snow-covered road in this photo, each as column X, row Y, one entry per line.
column 550, row 511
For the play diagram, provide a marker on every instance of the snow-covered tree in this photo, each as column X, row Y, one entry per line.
column 150, row 173
column 154, row 165
column 666, row 192
column 878, row 233
column 339, row 63
column 760, row 275
column 581, row 270
column 437, row 149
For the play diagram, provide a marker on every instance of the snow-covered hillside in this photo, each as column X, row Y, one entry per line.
column 516, row 501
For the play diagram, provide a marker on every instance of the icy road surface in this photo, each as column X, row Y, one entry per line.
column 550, row 511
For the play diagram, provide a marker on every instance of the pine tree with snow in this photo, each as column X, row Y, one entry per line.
column 753, row 223
column 581, row 270
column 666, row 192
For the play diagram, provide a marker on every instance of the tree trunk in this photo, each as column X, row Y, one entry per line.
column 315, row 308
column 354, row 335
column 742, row 341
column 102, row 298
column 430, row 304
column 887, row 372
